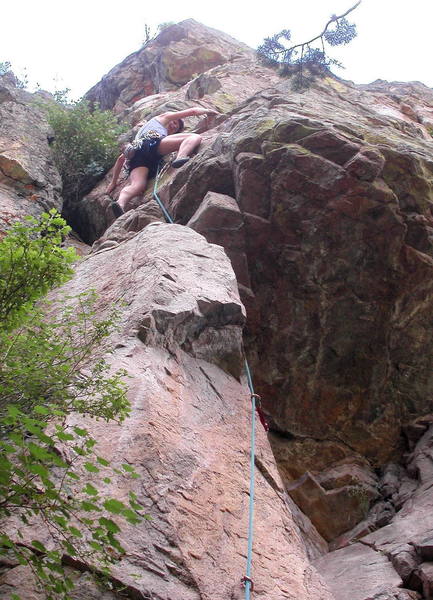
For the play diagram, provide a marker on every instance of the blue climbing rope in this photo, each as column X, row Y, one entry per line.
column 157, row 198
column 247, row 580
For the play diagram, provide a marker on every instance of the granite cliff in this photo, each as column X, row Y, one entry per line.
column 303, row 238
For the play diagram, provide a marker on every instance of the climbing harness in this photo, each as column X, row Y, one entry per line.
column 246, row 581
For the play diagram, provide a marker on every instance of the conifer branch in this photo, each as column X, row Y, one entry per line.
column 321, row 35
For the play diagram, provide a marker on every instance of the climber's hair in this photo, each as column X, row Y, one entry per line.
column 181, row 126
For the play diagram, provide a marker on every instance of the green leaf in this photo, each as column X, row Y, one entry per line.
column 109, row 525
column 13, row 411
column 90, row 490
column 70, row 548
column 131, row 516
column 60, row 521
column 75, row 532
column 128, row 468
column 91, row 467
column 80, row 432
column 89, row 506
column 7, row 448
column 135, row 505
column 114, row 506
column 65, row 437
column 41, row 410
column 40, row 452
column 16, row 437
column 39, row 469
column 38, row 545
column 37, row 431
column 96, row 546
column 5, row 541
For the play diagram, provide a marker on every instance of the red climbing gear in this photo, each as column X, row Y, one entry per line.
column 250, row 581
column 260, row 412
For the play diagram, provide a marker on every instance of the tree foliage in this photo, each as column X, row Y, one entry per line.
column 150, row 35
column 50, row 472
column 308, row 59
column 5, row 67
column 164, row 25
column 20, row 82
column 32, row 262
column 85, row 145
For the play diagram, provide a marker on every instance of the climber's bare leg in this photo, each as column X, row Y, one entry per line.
column 183, row 143
column 136, row 185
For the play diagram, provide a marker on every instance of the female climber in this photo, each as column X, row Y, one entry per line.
column 156, row 138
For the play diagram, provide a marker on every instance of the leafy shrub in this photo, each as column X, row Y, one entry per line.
column 85, row 145
column 48, row 465
column 32, row 262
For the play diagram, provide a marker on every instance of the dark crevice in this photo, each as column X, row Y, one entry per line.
column 267, row 476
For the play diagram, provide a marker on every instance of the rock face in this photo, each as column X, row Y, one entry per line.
column 180, row 341
column 333, row 239
column 177, row 55
column 29, row 182
column 395, row 561
column 322, row 201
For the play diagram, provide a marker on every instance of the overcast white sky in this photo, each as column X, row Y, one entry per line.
column 73, row 44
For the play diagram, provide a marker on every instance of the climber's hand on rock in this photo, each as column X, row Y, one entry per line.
column 206, row 111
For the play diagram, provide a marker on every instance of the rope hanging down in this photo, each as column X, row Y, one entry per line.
column 256, row 407
column 155, row 195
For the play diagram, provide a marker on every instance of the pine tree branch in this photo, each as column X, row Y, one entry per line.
column 320, row 36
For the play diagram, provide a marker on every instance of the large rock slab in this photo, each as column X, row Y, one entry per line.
column 360, row 573
column 219, row 219
column 180, row 342
column 29, row 181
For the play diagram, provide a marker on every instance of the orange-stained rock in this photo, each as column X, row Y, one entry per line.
column 177, row 55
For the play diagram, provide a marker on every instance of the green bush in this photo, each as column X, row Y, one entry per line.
column 32, row 261
column 45, row 374
column 85, row 145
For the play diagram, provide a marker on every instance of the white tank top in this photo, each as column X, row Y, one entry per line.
column 152, row 126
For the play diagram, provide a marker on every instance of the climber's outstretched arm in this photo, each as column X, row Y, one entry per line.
column 117, row 168
column 166, row 117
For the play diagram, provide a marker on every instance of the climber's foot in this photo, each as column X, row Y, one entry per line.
column 117, row 209
column 179, row 162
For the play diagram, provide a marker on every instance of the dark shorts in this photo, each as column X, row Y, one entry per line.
column 146, row 156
